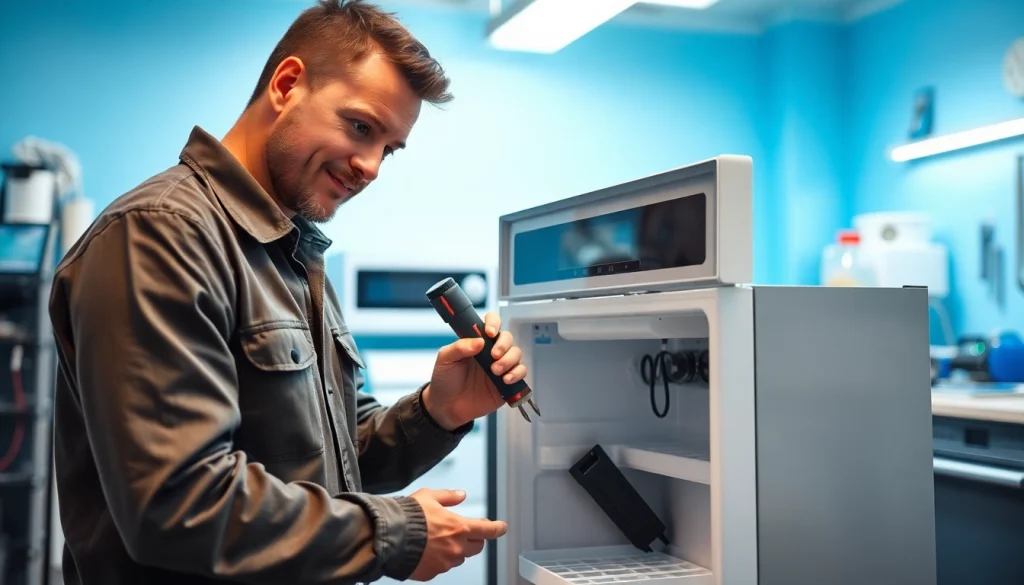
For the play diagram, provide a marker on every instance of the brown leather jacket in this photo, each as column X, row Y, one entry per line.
column 210, row 423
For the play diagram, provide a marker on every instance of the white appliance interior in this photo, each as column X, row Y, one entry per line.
column 694, row 468
column 666, row 459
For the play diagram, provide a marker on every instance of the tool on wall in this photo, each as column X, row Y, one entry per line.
column 921, row 119
column 992, row 261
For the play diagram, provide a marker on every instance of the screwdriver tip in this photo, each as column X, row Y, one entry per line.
column 523, row 411
column 534, row 405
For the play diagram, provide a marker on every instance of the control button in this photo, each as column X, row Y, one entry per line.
column 295, row 355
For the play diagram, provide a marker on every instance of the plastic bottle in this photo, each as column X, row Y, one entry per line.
column 844, row 264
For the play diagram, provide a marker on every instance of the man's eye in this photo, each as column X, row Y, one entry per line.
column 360, row 127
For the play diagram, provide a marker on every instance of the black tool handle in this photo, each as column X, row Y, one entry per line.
column 454, row 306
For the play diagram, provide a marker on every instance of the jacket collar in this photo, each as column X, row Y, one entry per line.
column 246, row 201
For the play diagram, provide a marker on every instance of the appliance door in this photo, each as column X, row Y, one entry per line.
column 979, row 523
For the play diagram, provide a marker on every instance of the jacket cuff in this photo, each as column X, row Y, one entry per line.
column 399, row 533
column 419, row 425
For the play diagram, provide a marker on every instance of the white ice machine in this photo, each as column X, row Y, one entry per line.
column 794, row 445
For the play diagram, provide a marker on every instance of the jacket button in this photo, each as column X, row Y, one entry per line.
column 295, row 355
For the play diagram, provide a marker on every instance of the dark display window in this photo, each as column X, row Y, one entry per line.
column 667, row 234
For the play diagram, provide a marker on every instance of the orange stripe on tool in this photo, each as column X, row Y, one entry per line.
column 447, row 306
column 477, row 329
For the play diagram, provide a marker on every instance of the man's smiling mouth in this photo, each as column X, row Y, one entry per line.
column 340, row 183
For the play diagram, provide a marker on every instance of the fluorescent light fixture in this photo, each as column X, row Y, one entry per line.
column 696, row 4
column 546, row 26
column 958, row 140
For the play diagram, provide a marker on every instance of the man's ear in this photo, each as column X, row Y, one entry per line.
column 288, row 83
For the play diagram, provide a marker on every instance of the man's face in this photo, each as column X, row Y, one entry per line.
column 328, row 145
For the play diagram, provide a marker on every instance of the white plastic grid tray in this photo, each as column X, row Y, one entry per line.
column 616, row 564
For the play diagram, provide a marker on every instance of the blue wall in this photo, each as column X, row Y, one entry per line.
column 122, row 83
column 817, row 105
column 956, row 46
column 805, row 141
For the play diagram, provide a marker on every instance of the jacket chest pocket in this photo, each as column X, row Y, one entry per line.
column 277, row 393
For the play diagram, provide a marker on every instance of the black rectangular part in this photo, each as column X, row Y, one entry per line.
column 610, row 489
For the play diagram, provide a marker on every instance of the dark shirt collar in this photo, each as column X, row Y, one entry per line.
column 249, row 204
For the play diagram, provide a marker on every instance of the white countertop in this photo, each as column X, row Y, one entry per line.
column 1009, row 409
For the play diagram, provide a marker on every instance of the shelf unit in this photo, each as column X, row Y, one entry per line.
column 26, row 407
column 25, row 483
column 17, row 478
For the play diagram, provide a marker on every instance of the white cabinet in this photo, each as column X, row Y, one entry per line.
column 801, row 454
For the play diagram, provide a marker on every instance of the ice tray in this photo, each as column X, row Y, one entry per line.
column 602, row 565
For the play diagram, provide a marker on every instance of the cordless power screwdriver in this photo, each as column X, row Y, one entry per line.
column 454, row 306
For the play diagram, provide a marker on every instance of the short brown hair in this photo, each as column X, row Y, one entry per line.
column 335, row 33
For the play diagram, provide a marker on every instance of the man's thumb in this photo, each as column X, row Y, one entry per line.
column 449, row 497
column 461, row 349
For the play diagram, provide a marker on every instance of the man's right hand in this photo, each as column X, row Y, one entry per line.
column 451, row 538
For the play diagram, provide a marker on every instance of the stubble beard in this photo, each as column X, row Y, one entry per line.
column 283, row 167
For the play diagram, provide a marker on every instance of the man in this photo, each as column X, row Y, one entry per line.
column 209, row 420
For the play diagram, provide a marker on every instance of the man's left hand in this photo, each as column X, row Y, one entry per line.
column 459, row 390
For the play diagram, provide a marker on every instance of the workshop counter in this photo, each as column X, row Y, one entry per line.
column 1007, row 410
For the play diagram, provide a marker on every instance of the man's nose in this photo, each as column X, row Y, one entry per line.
column 367, row 167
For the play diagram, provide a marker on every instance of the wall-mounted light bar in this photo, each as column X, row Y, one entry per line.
column 958, row 140
column 547, row 26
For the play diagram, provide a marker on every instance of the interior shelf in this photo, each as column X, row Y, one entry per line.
column 12, row 478
column 688, row 463
column 30, row 408
column 615, row 564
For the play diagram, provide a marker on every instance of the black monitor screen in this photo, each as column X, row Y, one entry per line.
column 398, row 289
column 667, row 234
column 22, row 248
